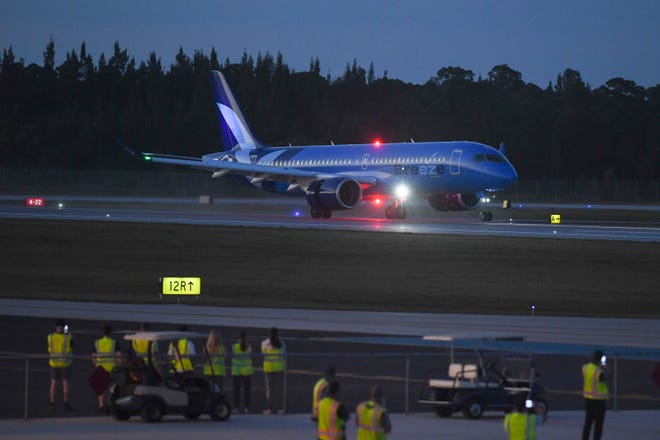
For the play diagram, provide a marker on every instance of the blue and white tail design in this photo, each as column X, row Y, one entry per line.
column 234, row 130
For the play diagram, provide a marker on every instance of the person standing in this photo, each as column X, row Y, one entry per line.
column 332, row 416
column 241, row 371
column 106, row 354
column 520, row 424
column 214, row 364
column 321, row 390
column 595, row 393
column 141, row 346
column 60, row 350
column 372, row 419
column 274, row 352
column 181, row 354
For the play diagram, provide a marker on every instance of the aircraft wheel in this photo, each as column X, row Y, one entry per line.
column 315, row 213
column 483, row 216
column 489, row 216
column 390, row 212
column 403, row 212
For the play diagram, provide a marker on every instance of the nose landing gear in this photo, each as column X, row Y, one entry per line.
column 396, row 210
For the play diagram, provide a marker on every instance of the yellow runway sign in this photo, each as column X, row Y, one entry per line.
column 182, row 285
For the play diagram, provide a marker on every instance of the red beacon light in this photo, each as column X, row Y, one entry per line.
column 377, row 143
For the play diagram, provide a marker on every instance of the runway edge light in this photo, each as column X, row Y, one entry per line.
column 181, row 285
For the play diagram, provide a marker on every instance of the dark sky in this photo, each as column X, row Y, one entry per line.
column 410, row 39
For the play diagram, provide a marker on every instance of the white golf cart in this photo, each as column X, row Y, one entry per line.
column 153, row 388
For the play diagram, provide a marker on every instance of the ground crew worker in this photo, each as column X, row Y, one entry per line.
column 274, row 352
column 519, row 424
column 595, row 393
column 321, row 390
column 141, row 346
column 372, row 419
column 214, row 365
column 181, row 354
column 106, row 354
column 332, row 416
column 241, row 371
column 60, row 350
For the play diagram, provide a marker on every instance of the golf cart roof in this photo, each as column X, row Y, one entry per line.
column 163, row 336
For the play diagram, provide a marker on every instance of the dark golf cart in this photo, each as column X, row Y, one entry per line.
column 479, row 386
column 153, row 389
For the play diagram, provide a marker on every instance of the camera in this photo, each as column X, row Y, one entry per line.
column 603, row 360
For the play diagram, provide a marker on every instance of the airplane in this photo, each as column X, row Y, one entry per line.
column 453, row 175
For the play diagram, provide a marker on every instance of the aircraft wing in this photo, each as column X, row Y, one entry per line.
column 255, row 171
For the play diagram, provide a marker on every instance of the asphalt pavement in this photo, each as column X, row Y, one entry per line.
column 638, row 425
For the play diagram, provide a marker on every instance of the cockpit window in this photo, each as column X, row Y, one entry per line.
column 487, row 157
column 494, row 158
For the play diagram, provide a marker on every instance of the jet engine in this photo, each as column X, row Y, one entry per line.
column 334, row 194
column 454, row 202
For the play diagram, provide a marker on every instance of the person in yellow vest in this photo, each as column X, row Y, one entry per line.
column 521, row 422
column 214, row 363
column 60, row 350
column 241, row 371
column 106, row 354
column 140, row 347
column 595, row 393
column 332, row 416
column 274, row 352
column 321, row 390
column 181, row 354
column 372, row 419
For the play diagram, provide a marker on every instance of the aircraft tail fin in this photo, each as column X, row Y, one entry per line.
column 234, row 130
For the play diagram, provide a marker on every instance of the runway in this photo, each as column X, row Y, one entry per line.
column 293, row 213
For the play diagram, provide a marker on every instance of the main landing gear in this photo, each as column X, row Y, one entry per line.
column 485, row 216
column 321, row 213
column 396, row 210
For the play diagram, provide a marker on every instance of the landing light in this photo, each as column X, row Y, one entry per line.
column 297, row 213
column 377, row 201
column 402, row 192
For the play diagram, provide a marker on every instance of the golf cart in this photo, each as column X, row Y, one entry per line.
column 478, row 386
column 154, row 388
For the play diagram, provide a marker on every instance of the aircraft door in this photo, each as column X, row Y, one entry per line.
column 455, row 162
column 365, row 158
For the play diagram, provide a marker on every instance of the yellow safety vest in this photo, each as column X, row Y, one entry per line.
column 106, row 356
column 593, row 388
column 520, row 426
column 274, row 358
column 59, row 348
column 217, row 361
column 141, row 347
column 241, row 361
column 182, row 363
column 369, row 418
column 330, row 427
column 317, row 394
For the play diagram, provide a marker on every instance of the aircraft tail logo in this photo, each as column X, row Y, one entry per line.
column 234, row 130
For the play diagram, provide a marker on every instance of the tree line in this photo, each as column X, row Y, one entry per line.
column 68, row 116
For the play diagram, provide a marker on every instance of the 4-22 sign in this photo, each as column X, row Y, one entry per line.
column 181, row 285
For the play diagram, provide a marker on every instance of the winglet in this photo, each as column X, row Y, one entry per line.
column 234, row 129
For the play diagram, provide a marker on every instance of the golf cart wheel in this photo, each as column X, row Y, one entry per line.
column 473, row 409
column 220, row 410
column 121, row 415
column 192, row 415
column 443, row 411
column 152, row 411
